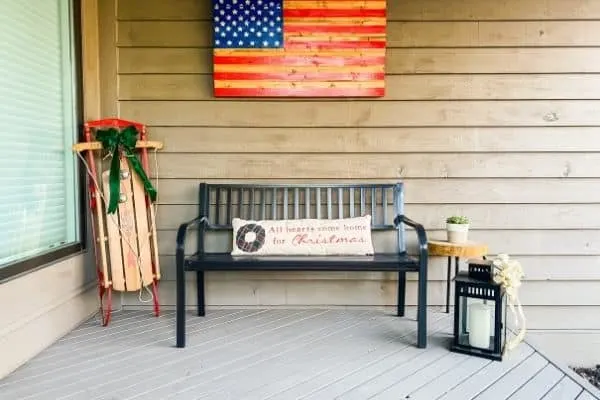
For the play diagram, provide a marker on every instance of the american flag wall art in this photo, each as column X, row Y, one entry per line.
column 305, row 48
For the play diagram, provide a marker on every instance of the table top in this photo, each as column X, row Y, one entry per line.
column 462, row 250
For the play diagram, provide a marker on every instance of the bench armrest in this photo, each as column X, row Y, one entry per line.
column 182, row 231
column 421, row 236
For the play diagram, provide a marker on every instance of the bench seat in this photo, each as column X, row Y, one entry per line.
column 379, row 262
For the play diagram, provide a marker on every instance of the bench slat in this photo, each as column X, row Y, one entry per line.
column 274, row 204
column 351, row 202
column 252, row 202
column 218, row 207
column 227, row 262
column 296, row 203
column 373, row 206
column 385, row 204
column 228, row 212
column 318, row 200
column 307, row 203
column 240, row 202
column 340, row 203
column 329, row 204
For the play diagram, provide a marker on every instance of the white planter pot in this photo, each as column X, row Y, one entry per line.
column 457, row 233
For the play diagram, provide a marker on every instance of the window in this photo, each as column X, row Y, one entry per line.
column 39, row 207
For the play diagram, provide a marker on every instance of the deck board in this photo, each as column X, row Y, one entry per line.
column 279, row 354
column 566, row 389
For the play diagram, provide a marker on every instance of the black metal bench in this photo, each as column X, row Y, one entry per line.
column 220, row 203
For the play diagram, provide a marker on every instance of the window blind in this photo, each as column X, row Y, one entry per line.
column 38, row 208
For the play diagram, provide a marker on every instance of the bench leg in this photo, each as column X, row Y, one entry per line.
column 401, row 293
column 180, row 313
column 422, row 309
column 200, row 293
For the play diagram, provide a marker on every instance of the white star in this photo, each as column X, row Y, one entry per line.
column 252, row 43
column 265, row 29
column 240, row 43
column 228, row 28
column 258, row 23
column 259, row 34
column 234, row 34
column 271, row 34
column 245, row 34
column 277, row 43
column 217, row 29
column 217, row 18
column 265, row 43
column 229, row 43
column 217, row 42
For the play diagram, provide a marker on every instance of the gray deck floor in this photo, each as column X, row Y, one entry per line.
column 279, row 354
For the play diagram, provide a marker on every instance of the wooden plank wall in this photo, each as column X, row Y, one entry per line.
column 492, row 110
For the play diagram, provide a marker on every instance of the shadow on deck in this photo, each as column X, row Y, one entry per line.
column 280, row 354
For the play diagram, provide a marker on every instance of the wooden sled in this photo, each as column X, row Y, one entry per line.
column 125, row 243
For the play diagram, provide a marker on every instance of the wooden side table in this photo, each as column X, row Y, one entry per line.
column 457, row 250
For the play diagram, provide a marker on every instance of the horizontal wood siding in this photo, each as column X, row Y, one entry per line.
column 491, row 110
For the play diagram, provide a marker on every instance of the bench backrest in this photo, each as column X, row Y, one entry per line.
column 220, row 203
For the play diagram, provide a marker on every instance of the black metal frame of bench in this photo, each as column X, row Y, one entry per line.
column 220, row 203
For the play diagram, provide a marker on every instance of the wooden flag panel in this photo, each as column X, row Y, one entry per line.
column 324, row 48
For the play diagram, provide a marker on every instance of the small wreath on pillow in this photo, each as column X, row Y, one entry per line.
column 250, row 238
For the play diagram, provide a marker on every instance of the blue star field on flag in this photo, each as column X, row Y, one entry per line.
column 248, row 24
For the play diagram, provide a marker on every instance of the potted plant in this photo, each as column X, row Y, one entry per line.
column 457, row 229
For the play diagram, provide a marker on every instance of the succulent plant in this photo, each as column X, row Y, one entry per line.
column 456, row 219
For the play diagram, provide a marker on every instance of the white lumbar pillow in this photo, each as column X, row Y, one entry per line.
column 345, row 236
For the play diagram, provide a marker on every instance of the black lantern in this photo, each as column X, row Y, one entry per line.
column 479, row 315
column 480, row 269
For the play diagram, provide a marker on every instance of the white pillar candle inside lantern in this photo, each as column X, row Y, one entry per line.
column 479, row 325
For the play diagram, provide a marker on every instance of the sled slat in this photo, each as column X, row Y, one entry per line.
column 128, row 234
column 114, row 242
column 143, row 237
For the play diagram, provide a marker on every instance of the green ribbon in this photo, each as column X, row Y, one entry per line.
column 124, row 141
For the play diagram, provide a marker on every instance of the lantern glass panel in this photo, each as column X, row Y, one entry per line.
column 477, row 323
